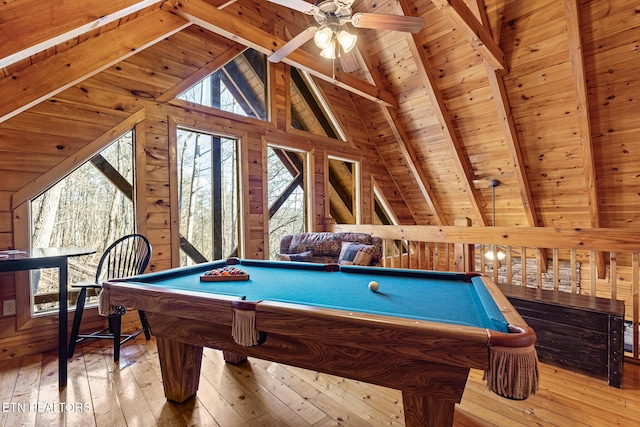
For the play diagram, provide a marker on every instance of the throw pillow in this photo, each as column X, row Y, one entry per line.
column 356, row 254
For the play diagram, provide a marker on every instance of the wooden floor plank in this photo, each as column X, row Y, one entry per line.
column 143, row 359
column 25, row 392
column 267, row 390
column 137, row 412
column 8, row 377
column 266, row 394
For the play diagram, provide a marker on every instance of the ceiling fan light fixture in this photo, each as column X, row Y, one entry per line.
column 329, row 52
column 324, row 38
column 347, row 40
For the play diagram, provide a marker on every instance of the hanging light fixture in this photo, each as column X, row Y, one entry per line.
column 331, row 38
column 492, row 253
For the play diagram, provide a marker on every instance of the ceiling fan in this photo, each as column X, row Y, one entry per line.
column 332, row 16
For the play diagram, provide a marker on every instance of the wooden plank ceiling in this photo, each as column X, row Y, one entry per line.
column 541, row 95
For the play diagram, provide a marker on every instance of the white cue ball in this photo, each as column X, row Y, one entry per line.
column 373, row 286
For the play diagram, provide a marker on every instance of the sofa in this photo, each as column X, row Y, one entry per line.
column 326, row 247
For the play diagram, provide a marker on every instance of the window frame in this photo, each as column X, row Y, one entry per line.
column 176, row 122
column 290, row 142
column 241, row 181
column 357, row 183
column 25, row 318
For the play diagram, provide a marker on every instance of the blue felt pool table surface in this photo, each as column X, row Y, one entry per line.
column 423, row 295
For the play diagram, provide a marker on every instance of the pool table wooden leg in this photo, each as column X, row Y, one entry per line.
column 180, row 366
column 233, row 358
column 421, row 410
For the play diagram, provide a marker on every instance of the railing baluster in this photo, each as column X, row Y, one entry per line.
column 635, row 292
column 592, row 267
column 613, row 276
column 556, row 270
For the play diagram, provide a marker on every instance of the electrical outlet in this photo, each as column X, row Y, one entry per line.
column 9, row 307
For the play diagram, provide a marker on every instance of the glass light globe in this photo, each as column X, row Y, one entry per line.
column 323, row 38
column 346, row 40
column 329, row 52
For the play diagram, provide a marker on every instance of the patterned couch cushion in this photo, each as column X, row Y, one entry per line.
column 326, row 246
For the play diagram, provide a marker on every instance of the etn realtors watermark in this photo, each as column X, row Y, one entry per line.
column 45, row 407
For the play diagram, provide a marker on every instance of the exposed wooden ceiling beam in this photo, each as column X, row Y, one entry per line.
column 478, row 35
column 227, row 25
column 44, row 29
column 512, row 141
column 404, row 144
column 584, row 127
column 28, row 87
column 446, row 124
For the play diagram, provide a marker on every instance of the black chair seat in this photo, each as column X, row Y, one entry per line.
column 127, row 256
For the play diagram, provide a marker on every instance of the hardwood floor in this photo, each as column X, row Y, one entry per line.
column 259, row 393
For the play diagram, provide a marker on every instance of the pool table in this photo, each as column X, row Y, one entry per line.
column 420, row 332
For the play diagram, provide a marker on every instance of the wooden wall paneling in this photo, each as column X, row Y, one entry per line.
column 140, row 180
column 279, row 95
column 174, row 210
column 140, row 86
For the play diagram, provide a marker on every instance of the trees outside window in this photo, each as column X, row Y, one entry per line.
column 92, row 207
column 208, row 196
column 239, row 87
column 286, row 170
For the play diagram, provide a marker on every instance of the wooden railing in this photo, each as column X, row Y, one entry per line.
column 600, row 262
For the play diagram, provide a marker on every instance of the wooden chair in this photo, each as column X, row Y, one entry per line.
column 127, row 256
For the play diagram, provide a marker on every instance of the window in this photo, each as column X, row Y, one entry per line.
column 208, row 196
column 383, row 214
column 344, row 195
column 239, row 87
column 309, row 111
column 92, row 206
column 286, row 194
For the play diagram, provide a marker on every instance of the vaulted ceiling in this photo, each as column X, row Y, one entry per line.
column 541, row 95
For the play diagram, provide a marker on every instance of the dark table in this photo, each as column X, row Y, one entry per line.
column 420, row 333
column 21, row 260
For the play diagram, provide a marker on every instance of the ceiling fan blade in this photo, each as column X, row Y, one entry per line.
column 380, row 21
column 299, row 5
column 293, row 44
column 349, row 61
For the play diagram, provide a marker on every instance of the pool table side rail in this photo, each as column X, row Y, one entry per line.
column 520, row 333
column 437, row 342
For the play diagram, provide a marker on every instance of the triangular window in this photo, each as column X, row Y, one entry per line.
column 309, row 111
column 239, row 87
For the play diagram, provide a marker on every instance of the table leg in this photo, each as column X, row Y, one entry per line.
column 180, row 366
column 422, row 410
column 233, row 358
column 63, row 280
